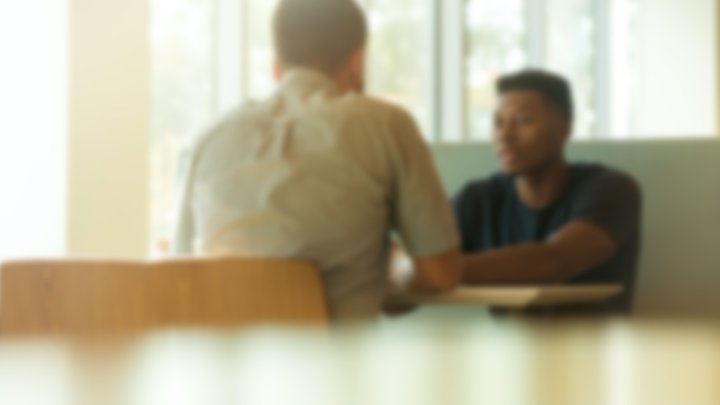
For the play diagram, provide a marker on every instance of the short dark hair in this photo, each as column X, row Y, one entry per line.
column 318, row 33
column 554, row 88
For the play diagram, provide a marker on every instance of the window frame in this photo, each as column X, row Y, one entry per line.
column 447, row 106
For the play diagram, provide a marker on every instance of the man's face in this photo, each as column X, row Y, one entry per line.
column 529, row 133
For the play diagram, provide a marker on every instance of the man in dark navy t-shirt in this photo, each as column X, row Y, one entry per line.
column 543, row 220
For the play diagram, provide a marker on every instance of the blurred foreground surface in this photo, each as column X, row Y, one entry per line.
column 491, row 362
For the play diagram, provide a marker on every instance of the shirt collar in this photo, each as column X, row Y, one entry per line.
column 307, row 79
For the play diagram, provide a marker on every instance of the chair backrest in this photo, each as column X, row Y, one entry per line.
column 41, row 297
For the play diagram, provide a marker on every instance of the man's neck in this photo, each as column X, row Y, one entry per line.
column 342, row 80
column 540, row 189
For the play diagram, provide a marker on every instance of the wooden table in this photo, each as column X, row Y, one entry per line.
column 508, row 363
column 520, row 297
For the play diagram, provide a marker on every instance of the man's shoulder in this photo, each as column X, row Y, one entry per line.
column 246, row 115
column 598, row 176
column 368, row 107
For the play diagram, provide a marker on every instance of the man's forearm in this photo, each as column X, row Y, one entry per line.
column 522, row 264
column 437, row 274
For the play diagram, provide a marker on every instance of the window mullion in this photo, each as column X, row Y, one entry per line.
column 454, row 127
column 229, row 54
column 536, row 32
column 435, row 64
column 603, row 69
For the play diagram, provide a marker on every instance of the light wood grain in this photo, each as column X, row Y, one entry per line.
column 109, row 296
column 520, row 297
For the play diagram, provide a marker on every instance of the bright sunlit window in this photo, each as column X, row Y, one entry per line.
column 495, row 33
column 184, row 98
column 400, row 57
column 33, row 48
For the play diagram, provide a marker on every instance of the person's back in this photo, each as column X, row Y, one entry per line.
column 322, row 174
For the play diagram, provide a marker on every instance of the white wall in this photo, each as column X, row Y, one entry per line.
column 677, row 68
column 33, row 92
column 108, row 168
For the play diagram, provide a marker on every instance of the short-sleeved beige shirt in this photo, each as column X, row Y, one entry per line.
column 319, row 175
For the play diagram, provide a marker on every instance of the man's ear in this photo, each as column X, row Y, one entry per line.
column 567, row 129
column 357, row 61
column 356, row 68
column 278, row 70
column 563, row 127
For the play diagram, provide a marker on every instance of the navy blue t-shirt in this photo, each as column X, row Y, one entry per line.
column 491, row 215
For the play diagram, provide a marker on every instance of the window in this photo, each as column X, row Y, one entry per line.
column 496, row 42
column 573, row 25
column 259, row 47
column 399, row 64
column 570, row 37
column 183, row 91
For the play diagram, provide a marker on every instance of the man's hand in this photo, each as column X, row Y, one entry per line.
column 401, row 269
column 401, row 275
column 430, row 275
column 397, row 305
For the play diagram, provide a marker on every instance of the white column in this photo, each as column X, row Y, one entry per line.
column 109, row 126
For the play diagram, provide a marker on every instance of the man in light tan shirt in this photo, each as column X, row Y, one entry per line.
column 320, row 172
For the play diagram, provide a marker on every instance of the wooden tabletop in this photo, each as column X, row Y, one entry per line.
column 489, row 363
column 520, row 297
